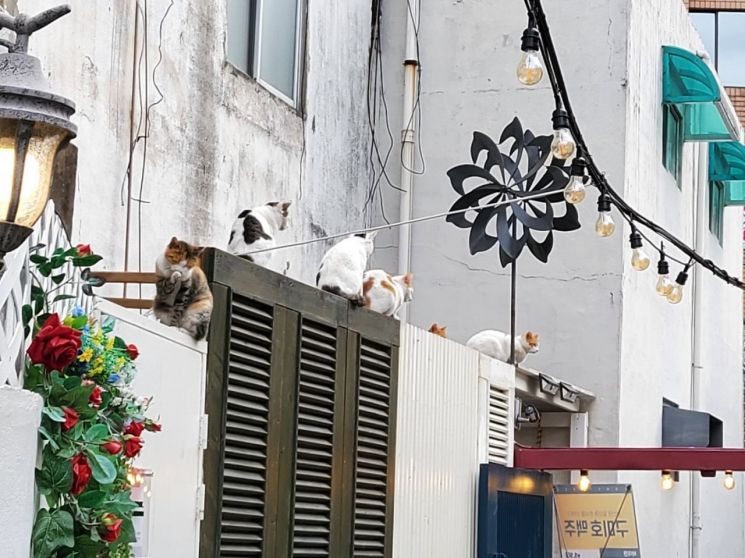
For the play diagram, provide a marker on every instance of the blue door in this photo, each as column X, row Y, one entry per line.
column 515, row 513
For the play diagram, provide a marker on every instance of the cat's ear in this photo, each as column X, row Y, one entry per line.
column 285, row 206
column 409, row 279
column 371, row 235
column 173, row 243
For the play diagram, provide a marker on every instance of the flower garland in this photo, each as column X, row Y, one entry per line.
column 92, row 422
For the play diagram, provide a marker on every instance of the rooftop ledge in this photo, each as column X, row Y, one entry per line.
column 548, row 393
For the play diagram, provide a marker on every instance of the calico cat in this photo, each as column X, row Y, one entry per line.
column 386, row 294
column 442, row 331
column 183, row 298
column 255, row 229
column 496, row 344
column 343, row 265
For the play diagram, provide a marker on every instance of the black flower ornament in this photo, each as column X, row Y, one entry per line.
column 518, row 172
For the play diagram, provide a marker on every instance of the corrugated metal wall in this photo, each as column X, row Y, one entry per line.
column 449, row 420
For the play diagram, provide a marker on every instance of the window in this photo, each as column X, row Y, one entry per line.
column 672, row 140
column 264, row 42
column 716, row 209
column 722, row 36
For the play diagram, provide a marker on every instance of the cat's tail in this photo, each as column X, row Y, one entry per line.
column 200, row 332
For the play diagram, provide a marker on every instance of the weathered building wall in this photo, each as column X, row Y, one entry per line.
column 219, row 142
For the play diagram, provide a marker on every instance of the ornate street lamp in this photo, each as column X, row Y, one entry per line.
column 34, row 124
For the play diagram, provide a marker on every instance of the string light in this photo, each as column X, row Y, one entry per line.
column 639, row 258
column 676, row 293
column 584, row 484
column 530, row 67
column 575, row 190
column 604, row 226
column 664, row 286
column 562, row 146
column 667, row 481
column 729, row 480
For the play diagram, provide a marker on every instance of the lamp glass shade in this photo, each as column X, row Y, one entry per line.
column 27, row 149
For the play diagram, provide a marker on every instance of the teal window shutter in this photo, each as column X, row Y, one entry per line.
column 727, row 166
column 716, row 209
column 672, row 138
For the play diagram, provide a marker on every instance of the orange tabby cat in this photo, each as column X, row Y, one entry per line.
column 442, row 331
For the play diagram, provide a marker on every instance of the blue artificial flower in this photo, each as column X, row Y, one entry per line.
column 77, row 311
column 86, row 329
column 114, row 378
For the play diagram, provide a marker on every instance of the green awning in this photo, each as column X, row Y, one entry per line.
column 690, row 85
column 727, row 165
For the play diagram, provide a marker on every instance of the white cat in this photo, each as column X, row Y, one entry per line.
column 255, row 229
column 343, row 265
column 386, row 294
column 496, row 344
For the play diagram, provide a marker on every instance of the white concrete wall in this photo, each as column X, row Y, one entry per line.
column 219, row 141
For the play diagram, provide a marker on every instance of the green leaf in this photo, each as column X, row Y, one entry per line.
column 72, row 382
column 52, row 530
column 58, row 252
column 55, row 476
column 78, row 397
column 58, row 262
column 86, row 261
column 27, row 313
column 96, row 433
column 57, row 279
column 67, row 452
column 127, row 533
column 79, row 322
column 103, row 469
column 34, row 377
column 45, row 433
column 45, row 269
column 54, row 413
column 87, row 548
column 61, row 297
column 91, row 498
column 37, row 259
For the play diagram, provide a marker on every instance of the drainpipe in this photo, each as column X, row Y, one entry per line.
column 702, row 182
column 411, row 67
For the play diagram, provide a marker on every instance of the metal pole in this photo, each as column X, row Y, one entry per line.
column 513, row 285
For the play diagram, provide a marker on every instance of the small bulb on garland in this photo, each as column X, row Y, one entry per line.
column 584, row 484
column 639, row 258
column 729, row 480
column 562, row 146
column 575, row 190
column 604, row 226
column 667, row 481
column 676, row 293
column 664, row 286
column 530, row 67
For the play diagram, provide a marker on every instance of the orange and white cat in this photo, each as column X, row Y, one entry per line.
column 496, row 344
column 439, row 330
column 386, row 294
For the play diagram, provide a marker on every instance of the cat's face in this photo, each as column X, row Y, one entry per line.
column 407, row 282
column 531, row 339
column 442, row 331
column 283, row 211
column 182, row 254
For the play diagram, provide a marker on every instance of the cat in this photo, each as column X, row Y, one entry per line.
column 496, row 344
column 183, row 298
column 342, row 267
column 255, row 229
column 386, row 294
column 442, row 331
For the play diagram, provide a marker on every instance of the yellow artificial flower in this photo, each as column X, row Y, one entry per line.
column 86, row 356
column 110, row 343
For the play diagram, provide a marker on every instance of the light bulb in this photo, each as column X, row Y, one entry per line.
column 575, row 190
column 604, row 226
column 729, row 480
column 584, row 484
column 664, row 286
column 530, row 67
column 639, row 258
column 562, row 145
column 666, row 481
column 676, row 293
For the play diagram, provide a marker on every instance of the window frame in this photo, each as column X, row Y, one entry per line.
column 716, row 209
column 716, row 13
column 253, row 44
column 672, row 112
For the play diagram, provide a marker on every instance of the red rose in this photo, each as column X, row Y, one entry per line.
column 81, row 474
column 95, row 398
column 132, row 446
column 113, row 447
column 151, row 426
column 84, row 249
column 55, row 346
column 111, row 526
column 71, row 419
column 133, row 352
column 134, row 428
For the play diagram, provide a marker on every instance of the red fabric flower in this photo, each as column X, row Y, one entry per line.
column 81, row 473
column 110, row 527
column 152, row 426
column 71, row 419
column 133, row 352
column 134, row 428
column 132, row 446
column 113, row 447
column 55, row 346
column 95, row 398
column 84, row 249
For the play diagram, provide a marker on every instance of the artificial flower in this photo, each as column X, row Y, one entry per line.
column 81, row 474
column 71, row 419
column 55, row 346
column 77, row 312
column 152, row 426
column 112, row 446
column 111, row 527
column 134, row 428
column 95, row 398
column 132, row 446
column 114, row 378
column 133, row 352
column 84, row 249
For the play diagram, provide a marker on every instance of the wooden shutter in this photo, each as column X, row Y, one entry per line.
column 500, row 424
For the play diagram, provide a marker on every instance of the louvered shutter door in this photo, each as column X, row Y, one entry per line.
column 246, row 429
column 311, row 535
column 373, row 451
column 499, row 424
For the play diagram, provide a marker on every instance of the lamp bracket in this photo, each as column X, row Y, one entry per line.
column 23, row 25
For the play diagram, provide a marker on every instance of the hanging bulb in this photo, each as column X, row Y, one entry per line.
column 530, row 67
column 667, row 481
column 604, row 226
column 664, row 286
column 584, row 484
column 729, row 480
column 676, row 293
column 639, row 258
column 562, row 146
column 575, row 190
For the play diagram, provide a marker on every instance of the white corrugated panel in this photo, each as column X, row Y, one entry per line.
column 444, row 431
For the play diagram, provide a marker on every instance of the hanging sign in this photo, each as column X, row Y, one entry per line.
column 599, row 523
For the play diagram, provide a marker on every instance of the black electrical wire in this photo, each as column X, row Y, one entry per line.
column 558, row 85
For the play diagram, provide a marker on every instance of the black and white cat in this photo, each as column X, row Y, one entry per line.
column 343, row 266
column 256, row 229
